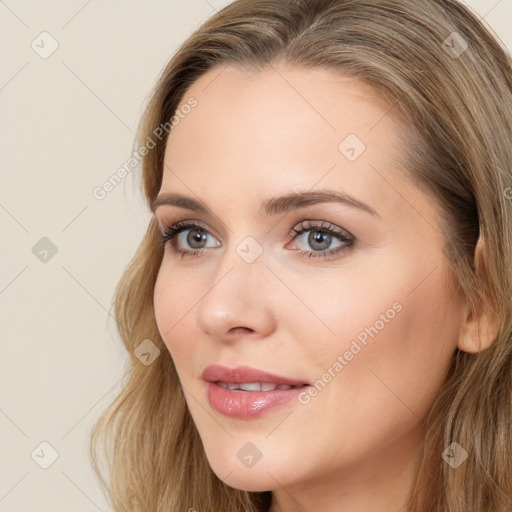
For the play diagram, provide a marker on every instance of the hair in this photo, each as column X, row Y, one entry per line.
column 456, row 118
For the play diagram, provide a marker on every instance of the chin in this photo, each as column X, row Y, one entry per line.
column 252, row 479
column 252, row 482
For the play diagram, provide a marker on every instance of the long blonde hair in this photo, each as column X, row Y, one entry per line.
column 456, row 106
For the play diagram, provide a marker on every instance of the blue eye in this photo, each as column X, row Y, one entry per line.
column 195, row 236
column 321, row 238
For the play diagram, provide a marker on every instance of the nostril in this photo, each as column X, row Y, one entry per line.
column 240, row 330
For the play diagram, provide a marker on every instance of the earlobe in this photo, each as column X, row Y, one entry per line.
column 479, row 331
column 480, row 326
column 471, row 340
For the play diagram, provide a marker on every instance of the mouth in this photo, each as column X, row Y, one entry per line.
column 256, row 386
column 247, row 378
column 245, row 392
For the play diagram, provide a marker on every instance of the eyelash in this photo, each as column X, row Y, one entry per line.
column 171, row 232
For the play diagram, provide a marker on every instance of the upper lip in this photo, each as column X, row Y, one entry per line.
column 241, row 374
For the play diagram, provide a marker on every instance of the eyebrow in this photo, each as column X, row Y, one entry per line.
column 272, row 206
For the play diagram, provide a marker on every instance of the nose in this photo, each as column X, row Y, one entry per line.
column 238, row 301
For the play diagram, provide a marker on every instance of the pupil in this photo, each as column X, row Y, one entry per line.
column 198, row 237
column 317, row 237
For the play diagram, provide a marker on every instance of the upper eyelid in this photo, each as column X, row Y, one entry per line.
column 185, row 225
column 164, row 225
column 324, row 225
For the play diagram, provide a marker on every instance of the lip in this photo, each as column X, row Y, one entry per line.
column 247, row 404
column 217, row 372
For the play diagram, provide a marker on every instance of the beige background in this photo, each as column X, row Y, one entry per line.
column 67, row 124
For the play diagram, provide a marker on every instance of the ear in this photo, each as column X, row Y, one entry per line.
column 479, row 330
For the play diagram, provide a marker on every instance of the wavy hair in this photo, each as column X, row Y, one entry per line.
column 456, row 112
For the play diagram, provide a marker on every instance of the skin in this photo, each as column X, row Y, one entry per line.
column 259, row 134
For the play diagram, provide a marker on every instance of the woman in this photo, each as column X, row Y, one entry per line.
column 324, row 289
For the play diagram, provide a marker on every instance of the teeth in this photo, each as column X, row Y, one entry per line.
column 250, row 386
column 254, row 386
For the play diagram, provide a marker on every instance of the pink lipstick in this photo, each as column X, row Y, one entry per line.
column 245, row 392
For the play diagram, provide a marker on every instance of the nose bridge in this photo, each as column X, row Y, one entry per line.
column 237, row 296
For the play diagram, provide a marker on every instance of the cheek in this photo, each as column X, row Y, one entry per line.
column 422, row 341
column 173, row 300
column 381, row 322
column 338, row 307
column 164, row 303
column 396, row 348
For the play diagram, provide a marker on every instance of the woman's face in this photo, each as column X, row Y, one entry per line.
column 359, row 305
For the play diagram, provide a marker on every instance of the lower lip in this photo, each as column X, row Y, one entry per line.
column 248, row 404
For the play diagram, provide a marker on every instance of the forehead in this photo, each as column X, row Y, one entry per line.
column 279, row 102
column 276, row 128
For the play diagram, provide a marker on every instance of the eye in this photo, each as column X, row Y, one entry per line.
column 188, row 234
column 326, row 240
